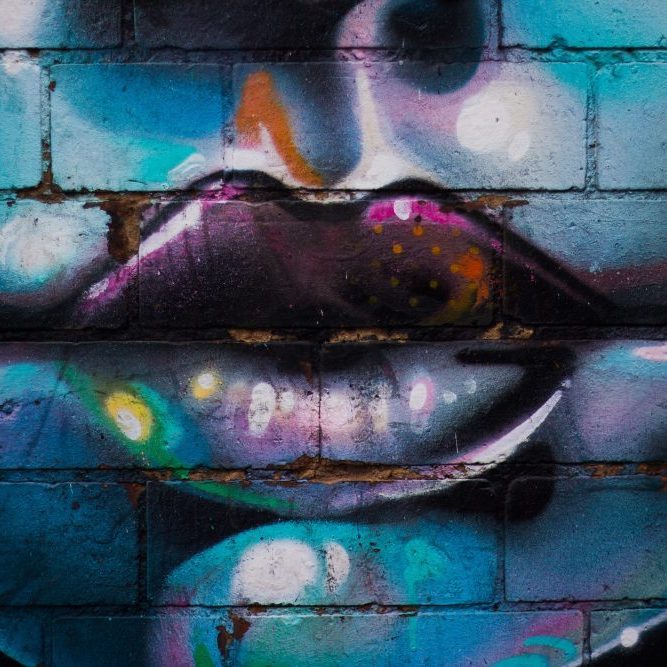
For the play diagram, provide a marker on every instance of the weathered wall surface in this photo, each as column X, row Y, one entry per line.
column 332, row 332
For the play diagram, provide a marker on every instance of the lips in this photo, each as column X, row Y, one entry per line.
column 231, row 258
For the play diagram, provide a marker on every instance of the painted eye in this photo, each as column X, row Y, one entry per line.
column 440, row 24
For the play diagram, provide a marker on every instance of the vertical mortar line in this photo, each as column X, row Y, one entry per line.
column 592, row 134
column 586, row 641
column 502, row 219
column 497, row 47
column 319, row 352
column 142, row 601
column 502, row 585
column 45, row 123
column 226, row 74
column 47, row 640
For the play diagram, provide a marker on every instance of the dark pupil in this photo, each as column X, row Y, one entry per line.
column 435, row 23
column 432, row 25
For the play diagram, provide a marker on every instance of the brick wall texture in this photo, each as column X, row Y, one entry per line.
column 332, row 333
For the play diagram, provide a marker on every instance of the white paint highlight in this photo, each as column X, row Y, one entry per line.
column 206, row 380
column 449, row 397
column 629, row 637
column 498, row 120
column 20, row 20
column 379, row 163
column 262, row 407
column 286, row 402
column 274, row 572
column 402, row 209
column 337, row 566
column 652, row 352
column 418, row 396
column 128, row 423
column 505, row 446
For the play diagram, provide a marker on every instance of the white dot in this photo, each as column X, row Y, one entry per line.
column 206, row 380
column 274, row 572
column 286, row 402
column 629, row 637
column 418, row 396
column 128, row 423
column 262, row 407
column 402, row 208
column 338, row 565
column 449, row 396
column 470, row 386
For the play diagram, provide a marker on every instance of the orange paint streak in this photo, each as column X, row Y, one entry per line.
column 471, row 267
column 472, row 290
column 261, row 106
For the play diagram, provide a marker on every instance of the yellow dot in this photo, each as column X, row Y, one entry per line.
column 377, row 229
column 418, row 230
column 375, row 264
column 372, row 300
column 456, row 231
column 433, row 284
column 474, row 250
column 397, row 248
column 436, row 250
column 414, row 301
column 204, row 385
column 130, row 414
column 455, row 268
column 394, row 281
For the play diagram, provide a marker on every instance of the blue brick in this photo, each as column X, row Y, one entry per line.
column 490, row 125
column 612, row 23
column 628, row 636
column 302, row 639
column 20, row 130
column 22, row 639
column 418, row 403
column 614, row 247
column 266, row 24
column 632, row 132
column 136, row 405
column 435, row 554
column 70, row 544
column 586, row 539
column 136, row 127
column 102, row 642
column 59, row 23
column 49, row 255
column 611, row 407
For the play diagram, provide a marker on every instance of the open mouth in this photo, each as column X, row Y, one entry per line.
column 236, row 257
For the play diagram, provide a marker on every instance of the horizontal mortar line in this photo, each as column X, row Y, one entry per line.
column 537, row 468
column 488, row 50
column 319, row 336
column 579, row 194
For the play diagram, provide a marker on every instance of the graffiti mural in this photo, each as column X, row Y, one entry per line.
column 333, row 333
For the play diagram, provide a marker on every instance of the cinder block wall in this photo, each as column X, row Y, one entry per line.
column 333, row 332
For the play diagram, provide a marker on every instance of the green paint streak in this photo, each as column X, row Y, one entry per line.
column 559, row 643
column 203, row 657
column 165, row 428
column 243, row 496
column 524, row 661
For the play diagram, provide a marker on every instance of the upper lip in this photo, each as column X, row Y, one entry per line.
column 284, row 261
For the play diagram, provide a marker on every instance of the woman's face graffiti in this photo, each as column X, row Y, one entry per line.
column 296, row 180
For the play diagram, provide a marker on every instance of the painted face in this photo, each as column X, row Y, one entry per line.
column 395, row 169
